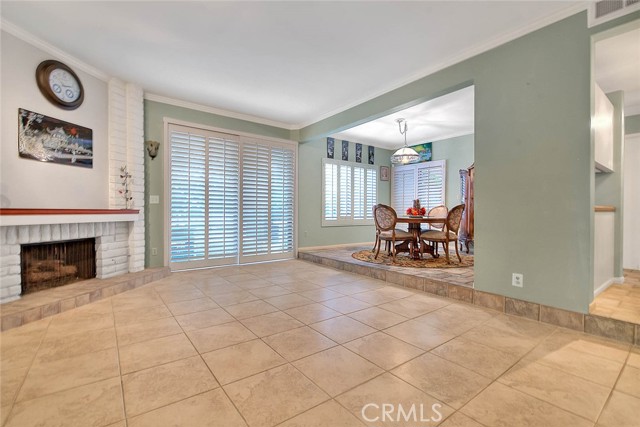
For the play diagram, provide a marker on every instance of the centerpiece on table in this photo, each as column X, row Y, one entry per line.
column 416, row 211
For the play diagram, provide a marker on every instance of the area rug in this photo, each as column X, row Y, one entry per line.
column 403, row 260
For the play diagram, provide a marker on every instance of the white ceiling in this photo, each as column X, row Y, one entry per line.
column 445, row 117
column 617, row 67
column 288, row 63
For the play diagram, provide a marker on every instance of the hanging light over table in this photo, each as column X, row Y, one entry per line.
column 405, row 154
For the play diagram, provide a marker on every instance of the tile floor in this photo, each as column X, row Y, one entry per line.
column 297, row 344
column 620, row 301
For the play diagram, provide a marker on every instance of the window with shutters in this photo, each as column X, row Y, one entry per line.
column 349, row 192
column 424, row 181
column 231, row 198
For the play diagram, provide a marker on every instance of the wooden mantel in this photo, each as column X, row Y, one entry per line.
column 19, row 216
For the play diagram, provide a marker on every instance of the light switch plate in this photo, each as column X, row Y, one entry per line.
column 154, row 199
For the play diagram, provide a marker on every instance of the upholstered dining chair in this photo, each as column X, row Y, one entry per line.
column 448, row 234
column 440, row 211
column 385, row 218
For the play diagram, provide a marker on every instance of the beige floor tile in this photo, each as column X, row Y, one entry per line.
column 180, row 295
column 272, row 323
column 138, row 332
column 274, row 396
column 414, row 307
column 154, row 352
column 584, row 365
column 518, row 325
column 233, row 298
column 342, row 329
column 374, row 297
column 346, row 305
column 250, row 309
column 321, row 294
column 353, row 288
column 191, row 306
column 500, row 339
column 620, row 411
column 337, row 369
column 298, row 285
column 241, row 277
column 255, row 283
column 328, row 414
column 10, row 382
column 56, row 348
column 220, row 336
column 136, row 299
column 5, row 410
column 384, row 350
column 634, row 357
column 460, row 420
column 285, row 302
column 499, row 405
column 204, row 319
column 270, row 291
column 210, row 409
column 164, row 384
column 366, row 402
column 137, row 315
column 419, row 334
column 312, row 313
column 377, row 317
column 242, row 360
column 479, row 358
column 442, row 379
column 79, row 322
column 596, row 346
column 62, row 374
column 629, row 381
column 583, row 398
column 455, row 318
column 69, row 407
column 298, row 343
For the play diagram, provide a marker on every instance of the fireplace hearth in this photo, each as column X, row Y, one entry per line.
column 47, row 265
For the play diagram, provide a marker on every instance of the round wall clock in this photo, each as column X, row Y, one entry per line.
column 59, row 84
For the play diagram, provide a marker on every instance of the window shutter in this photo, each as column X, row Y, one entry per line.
column 330, row 191
column 431, row 185
column 282, row 201
column 344, row 177
column 255, row 199
column 403, row 188
column 188, row 196
column 371, row 193
column 359, row 194
column 349, row 192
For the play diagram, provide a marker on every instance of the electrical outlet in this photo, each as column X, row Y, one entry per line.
column 154, row 199
column 517, row 280
column 154, row 251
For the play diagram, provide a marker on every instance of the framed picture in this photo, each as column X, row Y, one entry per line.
column 358, row 153
column 47, row 139
column 424, row 150
column 345, row 151
column 330, row 147
column 371, row 154
column 384, row 173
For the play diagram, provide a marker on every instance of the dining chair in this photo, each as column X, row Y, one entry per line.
column 386, row 218
column 440, row 211
column 448, row 234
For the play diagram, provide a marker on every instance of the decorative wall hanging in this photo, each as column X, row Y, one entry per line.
column 51, row 140
column 345, row 151
column 424, row 151
column 59, row 84
column 330, row 148
column 152, row 148
column 371, row 154
column 358, row 153
column 384, row 173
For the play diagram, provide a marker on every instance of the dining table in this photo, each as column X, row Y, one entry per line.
column 414, row 223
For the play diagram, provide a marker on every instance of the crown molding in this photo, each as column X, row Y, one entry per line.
column 52, row 50
column 467, row 54
column 217, row 111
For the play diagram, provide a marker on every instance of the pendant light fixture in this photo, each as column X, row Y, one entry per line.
column 405, row 154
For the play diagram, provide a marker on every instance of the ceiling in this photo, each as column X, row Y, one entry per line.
column 617, row 67
column 286, row 63
column 445, row 117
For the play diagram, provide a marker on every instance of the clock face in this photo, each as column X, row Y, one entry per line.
column 64, row 86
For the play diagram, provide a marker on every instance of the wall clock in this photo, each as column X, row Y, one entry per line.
column 59, row 84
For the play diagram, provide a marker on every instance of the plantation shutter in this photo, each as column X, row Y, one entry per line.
column 430, row 189
column 371, row 193
column 344, row 177
column 330, row 202
column 282, row 200
column 403, row 188
column 359, row 194
column 188, row 196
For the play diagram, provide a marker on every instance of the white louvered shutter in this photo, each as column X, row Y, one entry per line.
column 403, row 188
column 371, row 192
column 345, row 188
column 359, row 194
column 282, row 199
column 255, row 199
column 430, row 188
column 330, row 201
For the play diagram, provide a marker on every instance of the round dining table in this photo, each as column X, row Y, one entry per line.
column 415, row 223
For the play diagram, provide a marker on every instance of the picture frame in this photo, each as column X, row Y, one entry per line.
column 371, row 154
column 358, row 153
column 330, row 148
column 345, row 151
column 384, row 173
column 424, row 151
column 47, row 139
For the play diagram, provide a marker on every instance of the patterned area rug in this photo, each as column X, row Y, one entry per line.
column 403, row 260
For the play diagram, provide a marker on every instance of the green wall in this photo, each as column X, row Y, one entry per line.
column 310, row 230
column 533, row 191
column 154, row 114
column 608, row 186
column 632, row 124
column 458, row 152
